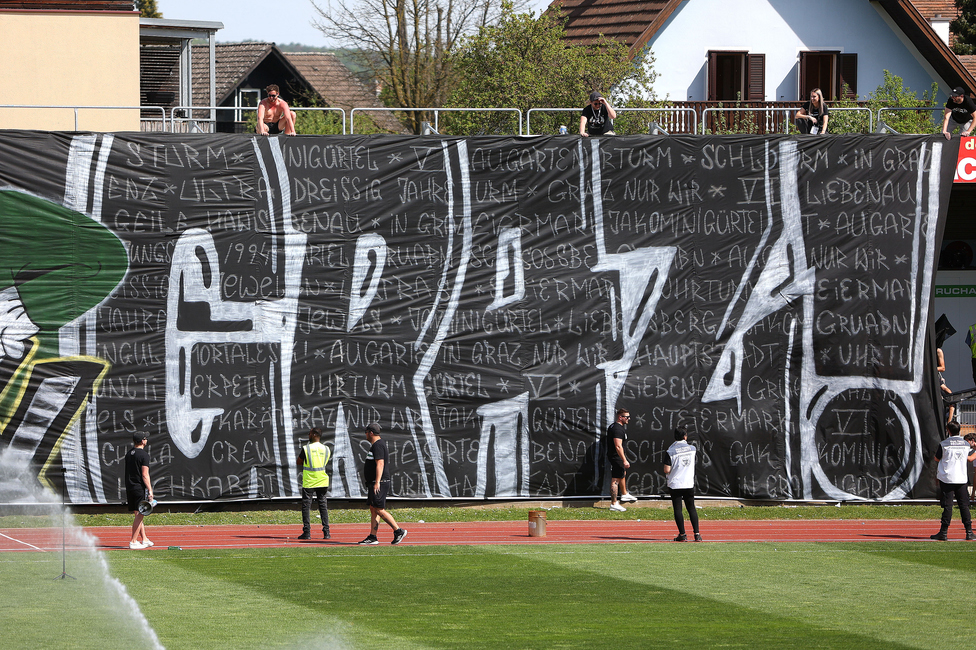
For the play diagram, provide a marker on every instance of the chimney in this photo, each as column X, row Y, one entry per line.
column 941, row 27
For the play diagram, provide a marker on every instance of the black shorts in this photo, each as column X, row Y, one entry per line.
column 273, row 128
column 133, row 497
column 378, row 499
column 617, row 470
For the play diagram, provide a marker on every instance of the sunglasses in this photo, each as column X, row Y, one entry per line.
column 272, row 96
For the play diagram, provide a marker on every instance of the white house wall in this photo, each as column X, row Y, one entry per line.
column 781, row 29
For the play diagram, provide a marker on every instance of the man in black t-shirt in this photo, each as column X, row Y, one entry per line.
column 959, row 108
column 376, row 473
column 138, row 488
column 597, row 117
column 616, row 435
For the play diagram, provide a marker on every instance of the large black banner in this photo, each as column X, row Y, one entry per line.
column 489, row 301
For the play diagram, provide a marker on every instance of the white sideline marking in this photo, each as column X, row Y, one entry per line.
column 19, row 541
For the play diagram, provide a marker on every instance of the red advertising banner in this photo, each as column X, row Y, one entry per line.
column 966, row 163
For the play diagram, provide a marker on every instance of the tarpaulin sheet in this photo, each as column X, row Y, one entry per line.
column 490, row 302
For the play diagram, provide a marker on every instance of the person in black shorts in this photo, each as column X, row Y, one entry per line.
column 616, row 436
column 274, row 115
column 376, row 473
column 138, row 488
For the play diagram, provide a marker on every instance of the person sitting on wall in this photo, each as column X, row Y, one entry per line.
column 812, row 118
column 274, row 116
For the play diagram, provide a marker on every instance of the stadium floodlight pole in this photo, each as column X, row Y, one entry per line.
column 64, row 510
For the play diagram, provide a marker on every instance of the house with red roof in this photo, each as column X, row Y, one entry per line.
column 777, row 50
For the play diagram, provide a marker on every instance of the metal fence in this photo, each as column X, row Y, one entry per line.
column 183, row 119
column 670, row 120
column 75, row 109
column 892, row 125
column 436, row 111
column 673, row 120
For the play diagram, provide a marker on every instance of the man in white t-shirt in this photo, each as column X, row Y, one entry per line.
column 953, row 454
column 680, row 469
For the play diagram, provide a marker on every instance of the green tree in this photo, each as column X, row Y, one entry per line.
column 964, row 27
column 525, row 62
column 147, row 9
column 406, row 44
column 893, row 93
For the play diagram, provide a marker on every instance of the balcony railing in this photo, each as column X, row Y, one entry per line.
column 675, row 118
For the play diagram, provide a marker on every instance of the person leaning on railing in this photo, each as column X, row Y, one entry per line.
column 960, row 109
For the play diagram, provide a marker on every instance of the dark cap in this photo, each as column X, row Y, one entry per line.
column 595, row 96
column 958, row 91
column 139, row 437
column 374, row 428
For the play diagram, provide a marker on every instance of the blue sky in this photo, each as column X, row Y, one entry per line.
column 279, row 21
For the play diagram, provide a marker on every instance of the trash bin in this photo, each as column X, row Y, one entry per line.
column 537, row 523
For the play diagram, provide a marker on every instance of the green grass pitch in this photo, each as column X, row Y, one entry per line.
column 730, row 595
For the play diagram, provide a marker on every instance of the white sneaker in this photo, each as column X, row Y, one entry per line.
column 148, row 543
column 617, row 507
column 136, row 546
column 628, row 498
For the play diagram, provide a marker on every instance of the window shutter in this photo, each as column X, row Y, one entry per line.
column 712, row 74
column 847, row 74
column 756, row 77
column 802, row 91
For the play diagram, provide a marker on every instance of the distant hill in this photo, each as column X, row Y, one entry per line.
column 298, row 47
column 349, row 58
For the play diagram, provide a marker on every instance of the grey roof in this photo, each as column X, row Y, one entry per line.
column 322, row 72
column 234, row 61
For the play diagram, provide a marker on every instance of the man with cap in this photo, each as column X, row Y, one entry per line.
column 315, row 482
column 597, row 116
column 954, row 454
column 960, row 109
column 376, row 473
column 138, row 488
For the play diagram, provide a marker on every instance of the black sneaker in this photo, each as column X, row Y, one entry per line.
column 370, row 541
column 698, row 537
column 939, row 536
column 969, row 536
column 681, row 538
column 326, row 535
column 304, row 535
column 398, row 535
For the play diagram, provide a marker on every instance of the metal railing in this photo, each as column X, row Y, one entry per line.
column 436, row 112
column 772, row 125
column 85, row 108
column 674, row 119
column 895, row 109
column 676, row 123
column 184, row 116
column 854, row 109
column 769, row 124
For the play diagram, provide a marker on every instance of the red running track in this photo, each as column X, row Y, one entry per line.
column 476, row 533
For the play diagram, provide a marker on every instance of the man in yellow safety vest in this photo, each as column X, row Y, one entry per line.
column 315, row 482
